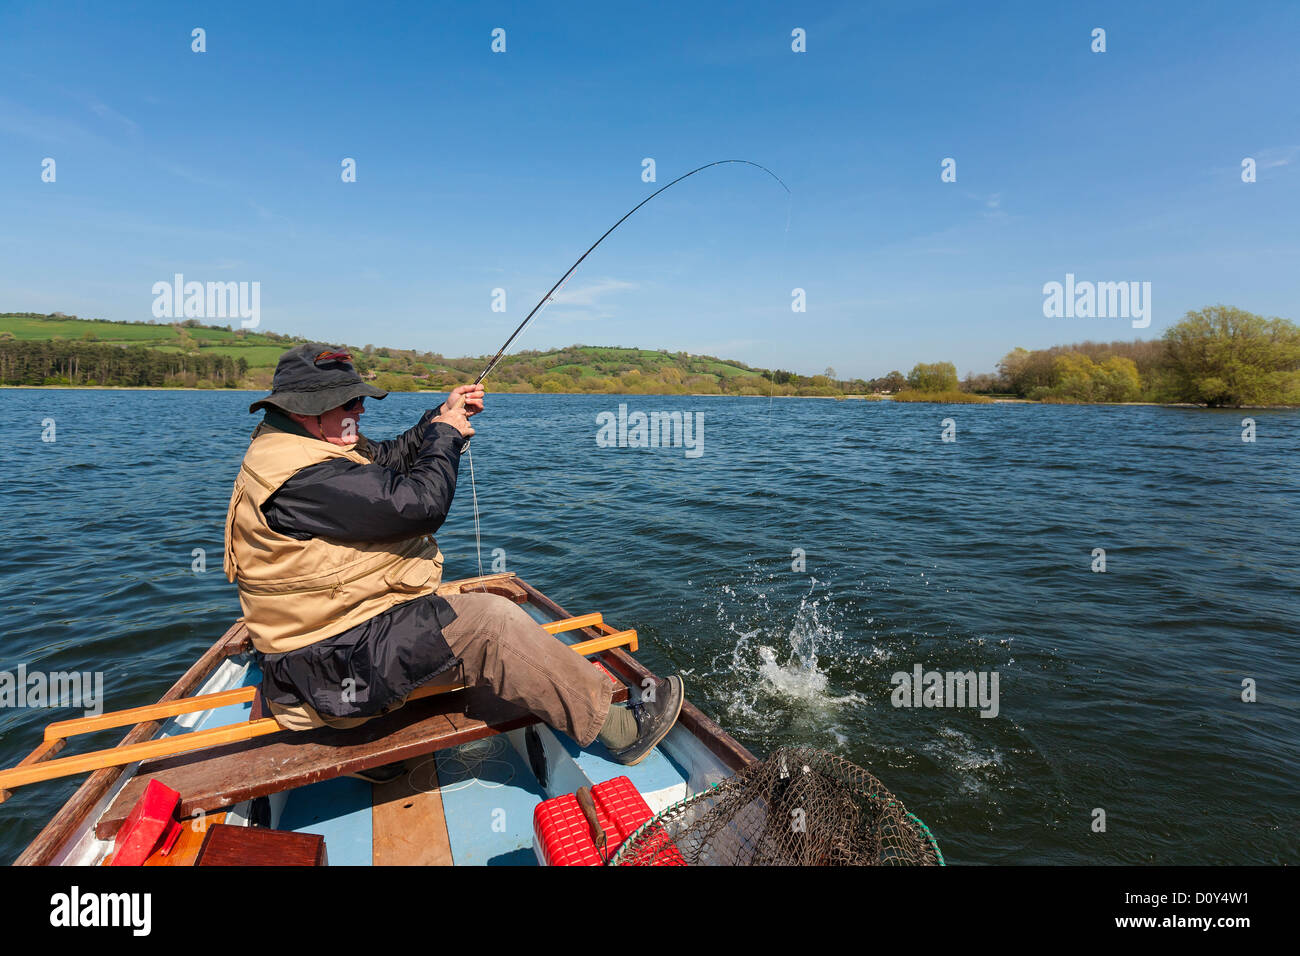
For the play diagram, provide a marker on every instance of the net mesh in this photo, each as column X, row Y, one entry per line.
column 799, row 807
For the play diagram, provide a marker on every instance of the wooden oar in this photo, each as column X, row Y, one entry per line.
column 38, row 770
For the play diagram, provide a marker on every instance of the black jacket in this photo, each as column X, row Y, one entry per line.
column 406, row 491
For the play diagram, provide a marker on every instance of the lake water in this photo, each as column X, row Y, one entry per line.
column 1118, row 691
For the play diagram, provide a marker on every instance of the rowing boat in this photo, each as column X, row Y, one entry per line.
column 475, row 767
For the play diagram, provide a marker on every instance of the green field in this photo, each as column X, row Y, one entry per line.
column 256, row 348
column 28, row 329
column 578, row 368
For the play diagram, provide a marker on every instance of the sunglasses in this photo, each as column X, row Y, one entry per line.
column 353, row 405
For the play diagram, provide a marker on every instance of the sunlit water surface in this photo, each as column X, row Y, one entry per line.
column 1119, row 691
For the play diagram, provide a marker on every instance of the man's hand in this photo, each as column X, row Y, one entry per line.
column 464, row 401
column 473, row 396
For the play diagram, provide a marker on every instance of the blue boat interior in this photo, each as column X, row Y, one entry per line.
column 488, row 790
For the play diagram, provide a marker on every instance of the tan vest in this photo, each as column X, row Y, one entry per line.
column 296, row 593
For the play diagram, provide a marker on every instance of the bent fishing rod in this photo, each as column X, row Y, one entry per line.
column 546, row 298
column 573, row 268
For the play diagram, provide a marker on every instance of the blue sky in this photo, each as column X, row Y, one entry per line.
column 478, row 170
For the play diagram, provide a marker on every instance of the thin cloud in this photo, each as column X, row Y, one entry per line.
column 585, row 303
column 1270, row 157
column 589, row 294
column 992, row 203
column 106, row 112
column 1277, row 156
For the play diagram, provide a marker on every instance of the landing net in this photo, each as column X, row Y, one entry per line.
column 799, row 807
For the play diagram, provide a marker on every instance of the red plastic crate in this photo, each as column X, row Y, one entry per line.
column 151, row 825
column 565, row 836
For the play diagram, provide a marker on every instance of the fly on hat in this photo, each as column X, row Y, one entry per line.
column 312, row 378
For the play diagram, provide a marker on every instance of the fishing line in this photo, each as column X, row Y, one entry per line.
column 496, row 359
column 785, row 236
column 469, row 762
column 478, row 545
column 573, row 268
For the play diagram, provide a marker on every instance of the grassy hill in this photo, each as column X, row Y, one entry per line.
column 76, row 351
column 260, row 350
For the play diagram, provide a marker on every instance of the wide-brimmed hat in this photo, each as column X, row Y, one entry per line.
column 311, row 379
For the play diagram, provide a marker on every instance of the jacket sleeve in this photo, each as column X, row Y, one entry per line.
column 399, row 453
column 349, row 501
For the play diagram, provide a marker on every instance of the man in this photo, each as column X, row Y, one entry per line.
column 329, row 537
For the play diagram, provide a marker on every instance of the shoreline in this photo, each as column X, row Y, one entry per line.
column 126, row 388
column 825, row 398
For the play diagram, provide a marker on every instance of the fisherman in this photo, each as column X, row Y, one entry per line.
column 329, row 537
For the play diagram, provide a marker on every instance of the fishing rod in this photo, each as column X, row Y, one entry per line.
column 478, row 545
column 573, row 268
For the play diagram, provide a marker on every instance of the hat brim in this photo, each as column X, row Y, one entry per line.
column 319, row 401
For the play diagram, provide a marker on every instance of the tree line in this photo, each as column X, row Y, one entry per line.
column 1219, row 357
column 92, row 363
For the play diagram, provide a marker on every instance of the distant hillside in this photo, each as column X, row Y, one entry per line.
column 61, row 349
column 1219, row 356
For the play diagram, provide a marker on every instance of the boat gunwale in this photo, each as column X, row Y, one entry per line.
column 72, row 817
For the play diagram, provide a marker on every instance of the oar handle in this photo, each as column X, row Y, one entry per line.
column 38, row 766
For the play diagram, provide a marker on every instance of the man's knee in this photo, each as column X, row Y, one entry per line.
column 502, row 617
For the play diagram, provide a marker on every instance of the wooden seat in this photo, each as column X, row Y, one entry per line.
column 253, row 846
column 219, row 777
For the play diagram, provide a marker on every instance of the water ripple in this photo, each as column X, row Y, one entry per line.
column 815, row 550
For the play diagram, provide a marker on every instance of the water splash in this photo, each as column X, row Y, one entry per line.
column 974, row 766
column 790, row 660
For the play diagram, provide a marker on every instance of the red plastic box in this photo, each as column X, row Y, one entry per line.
column 150, row 826
column 564, row 835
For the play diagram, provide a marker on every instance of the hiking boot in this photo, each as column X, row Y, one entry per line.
column 654, row 718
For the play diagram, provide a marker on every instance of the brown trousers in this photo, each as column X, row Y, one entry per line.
column 502, row 648
column 505, row 649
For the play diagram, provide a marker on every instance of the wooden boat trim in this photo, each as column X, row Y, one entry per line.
column 57, row 733
column 45, row 751
column 72, row 815
column 226, row 774
column 94, row 793
column 202, row 740
column 223, row 776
